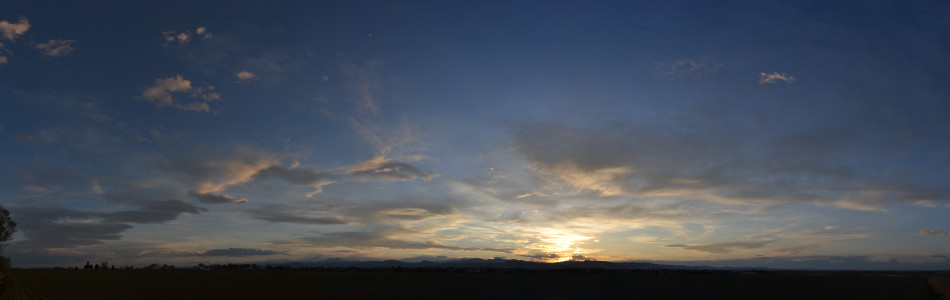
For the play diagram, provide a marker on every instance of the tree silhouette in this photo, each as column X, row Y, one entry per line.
column 7, row 228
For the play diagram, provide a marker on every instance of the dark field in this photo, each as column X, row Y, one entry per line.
column 308, row 284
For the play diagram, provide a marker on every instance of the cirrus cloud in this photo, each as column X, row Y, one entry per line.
column 56, row 48
column 686, row 67
column 930, row 233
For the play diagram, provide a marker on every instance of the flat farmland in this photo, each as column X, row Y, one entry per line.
column 309, row 284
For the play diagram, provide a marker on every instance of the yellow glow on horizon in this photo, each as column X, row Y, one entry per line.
column 563, row 243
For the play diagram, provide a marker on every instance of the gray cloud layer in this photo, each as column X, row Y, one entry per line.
column 624, row 159
column 364, row 239
column 49, row 226
column 214, row 198
column 287, row 217
column 240, row 252
column 724, row 247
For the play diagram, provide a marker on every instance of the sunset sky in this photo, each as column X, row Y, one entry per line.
column 752, row 133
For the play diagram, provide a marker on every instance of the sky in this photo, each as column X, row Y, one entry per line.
column 806, row 134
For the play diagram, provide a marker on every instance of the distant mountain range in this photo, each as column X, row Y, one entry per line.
column 494, row 263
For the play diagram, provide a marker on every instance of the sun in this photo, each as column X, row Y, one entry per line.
column 561, row 245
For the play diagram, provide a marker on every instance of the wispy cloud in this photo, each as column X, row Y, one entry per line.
column 799, row 248
column 775, row 77
column 56, row 48
column 865, row 205
column 26, row 138
column 161, row 94
column 315, row 179
column 723, row 247
column 362, row 84
column 686, row 67
column 930, row 233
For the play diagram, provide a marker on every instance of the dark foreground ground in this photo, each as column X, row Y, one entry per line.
column 310, row 284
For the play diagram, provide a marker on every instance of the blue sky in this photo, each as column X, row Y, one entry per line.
column 759, row 133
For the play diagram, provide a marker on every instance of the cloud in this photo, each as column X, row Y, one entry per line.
column 152, row 211
column 775, row 77
column 53, row 227
column 203, row 33
column 26, row 138
column 395, row 146
column 214, row 176
column 56, row 48
column 245, row 76
column 12, row 31
column 379, row 168
column 361, row 83
column 930, row 233
column 172, row 36
column 686, row 67
column 271, row 214
column 723, row 247
column 799, row 248
column 272, row 65
column 397, row 140
column 214, row 198
column 240, row 252
column 414, row 212
column 626, row 160
column 296, row 176
column 67, row 234
column 138, row 216
column 161, row 92
column 543, row 256
column 366, row 240
column 246, row 165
